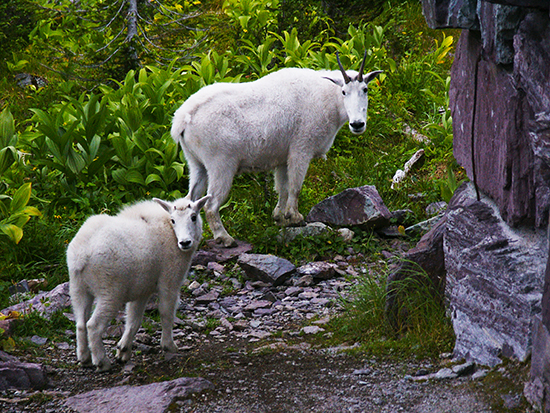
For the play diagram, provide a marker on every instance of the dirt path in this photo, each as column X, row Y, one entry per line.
column 275, row 376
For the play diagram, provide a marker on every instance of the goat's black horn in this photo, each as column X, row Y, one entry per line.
column 346, row 77
column 360, row 75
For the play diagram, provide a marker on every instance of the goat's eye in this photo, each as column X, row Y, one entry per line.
column 365, row 90
column 173, row 221
column 193, row 218
column 344, row 92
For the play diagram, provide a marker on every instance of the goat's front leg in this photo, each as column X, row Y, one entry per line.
column 219, row 183
column 297, row 169
column 134, row 315
column 281, row 187
column 168, row 298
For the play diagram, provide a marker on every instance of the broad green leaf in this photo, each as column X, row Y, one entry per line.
column 15, row 233
column 20, row 198
column 153, row 178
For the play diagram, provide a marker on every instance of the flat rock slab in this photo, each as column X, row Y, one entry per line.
column 355, row 206
column 151, row 398
column 213, row 252
column 266, row 267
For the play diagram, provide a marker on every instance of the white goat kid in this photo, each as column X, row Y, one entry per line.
column 125, row 258
column 281, row 121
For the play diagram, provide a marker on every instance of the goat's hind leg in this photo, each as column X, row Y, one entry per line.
column 297, row 169
column 134, row 315
column 197, row 177
column 220, row 179
column 104, row 312
column 82, row 308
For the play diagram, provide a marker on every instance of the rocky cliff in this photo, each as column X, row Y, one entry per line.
column 495, row 242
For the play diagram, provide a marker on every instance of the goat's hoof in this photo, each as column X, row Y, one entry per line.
column 103, row 366
column 226, row 242
column 170, row 349
column 123, row 356
column 86, row 364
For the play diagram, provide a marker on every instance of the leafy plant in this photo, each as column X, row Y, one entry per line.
column 8, row 141
column 15, row 213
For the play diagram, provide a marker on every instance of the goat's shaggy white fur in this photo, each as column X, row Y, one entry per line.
column 123, row 259
column 281, row 121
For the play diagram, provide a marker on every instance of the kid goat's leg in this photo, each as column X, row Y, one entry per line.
column 134, row 315
column 104, row 312
column 82, row 308
column 168, row 298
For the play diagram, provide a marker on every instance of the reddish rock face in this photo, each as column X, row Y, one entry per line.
column 502, row 59
column 511, row 135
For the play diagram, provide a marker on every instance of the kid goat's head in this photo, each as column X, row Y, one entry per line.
column 355, row 93
column 186, row 220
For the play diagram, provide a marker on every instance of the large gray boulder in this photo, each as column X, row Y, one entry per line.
column 266, row 267
column 495, row 277
column 354, row 206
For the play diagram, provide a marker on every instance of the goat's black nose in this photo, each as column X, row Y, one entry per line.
column 185, row 244
column 357, row 125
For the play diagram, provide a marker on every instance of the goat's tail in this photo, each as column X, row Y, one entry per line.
column 179, row 123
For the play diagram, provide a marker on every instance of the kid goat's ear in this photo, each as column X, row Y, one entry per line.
column 166, row 205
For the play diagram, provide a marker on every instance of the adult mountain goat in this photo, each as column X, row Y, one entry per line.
column 281, row 121
column 125, row 258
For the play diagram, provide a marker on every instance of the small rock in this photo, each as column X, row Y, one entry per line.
column 445, row 373
column 254, row 305
column 39, row 341
column 312, row 330
column 215, row 266
column 346, row 234
column 318, row 270
column 304, row 281
column 435, row 208
column 208, row 297
column 362, row 372
column 21, row 287
column 293, row 291
column 193, row 286
column 311, row 229
column 480, row 374
column 464, row 368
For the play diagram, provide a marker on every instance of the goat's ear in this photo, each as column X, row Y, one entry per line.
column 371, row 76
column 166, row 205
column 339, row 82
column 202, row 202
